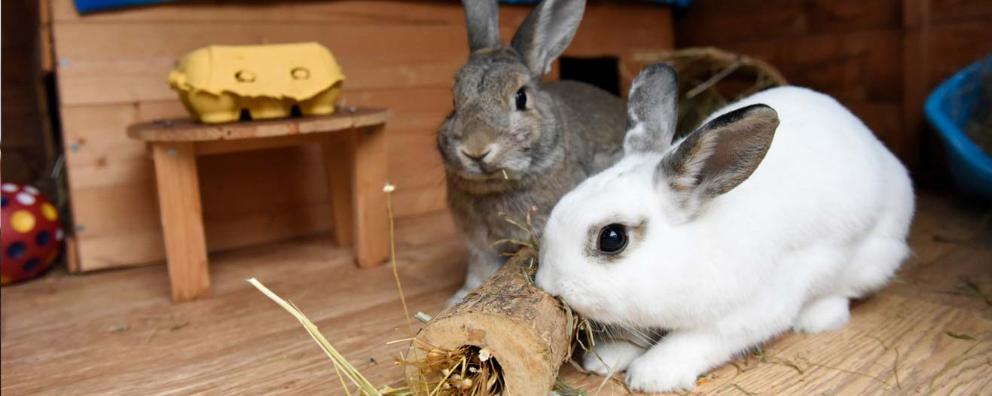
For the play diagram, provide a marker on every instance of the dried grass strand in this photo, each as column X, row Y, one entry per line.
column 388, row 189
column 339, row 361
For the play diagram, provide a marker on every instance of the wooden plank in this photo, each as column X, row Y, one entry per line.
column 132, row 69
column 862, row 65
column 958, row 44
column 162, row 324
column 951, row 11
column 345, row 12
column 45, row 37
column 126, row 231
column 719, row 22
column 182, row 219
column 115, row 331
column 214, row 147
column 117, row 62
column 842, row 16
column 98, row 152
column 145, row 246
column 246, row 199
column 412, row 202
column 338, row 12
column 338, row 157
column 368, row 177
column 915, row 58
column 26, row 138
column 186, row 130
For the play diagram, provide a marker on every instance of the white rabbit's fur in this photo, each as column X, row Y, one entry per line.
column 822, row 219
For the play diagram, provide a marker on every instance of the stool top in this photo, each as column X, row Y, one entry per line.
column 188, row 130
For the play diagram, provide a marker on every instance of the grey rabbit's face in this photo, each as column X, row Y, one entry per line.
column 495, row 129
column 503, row 125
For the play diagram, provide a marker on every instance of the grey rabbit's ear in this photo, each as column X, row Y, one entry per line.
column 719, row 155
column 546, row 33
column 482, row 21
column 652, row 110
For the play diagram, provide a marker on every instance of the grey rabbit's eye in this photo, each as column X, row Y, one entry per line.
column 612, row 239
column 521, row 99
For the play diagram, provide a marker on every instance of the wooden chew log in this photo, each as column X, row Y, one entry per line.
column 523, row 327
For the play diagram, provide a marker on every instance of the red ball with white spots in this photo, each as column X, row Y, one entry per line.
column 31, row 233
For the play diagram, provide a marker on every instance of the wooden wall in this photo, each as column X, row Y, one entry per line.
column 26, row 145
column 111, row 70
column 879, row 57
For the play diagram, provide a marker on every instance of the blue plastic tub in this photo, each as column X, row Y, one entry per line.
column 949, row 108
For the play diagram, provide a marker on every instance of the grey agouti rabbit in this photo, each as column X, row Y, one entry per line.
column 513, row 144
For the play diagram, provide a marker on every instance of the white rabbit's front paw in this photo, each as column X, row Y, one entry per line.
column 610, row 357
column 828, row 313
column 653, row 373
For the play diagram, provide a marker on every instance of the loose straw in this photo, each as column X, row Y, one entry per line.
column 341, row 364
column 388, row 189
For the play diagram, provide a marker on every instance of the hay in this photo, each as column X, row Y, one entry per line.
column 463, row 371
column 341, row 365
column 468, row 371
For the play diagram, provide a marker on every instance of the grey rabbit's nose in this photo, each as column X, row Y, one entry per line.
column 477, row 157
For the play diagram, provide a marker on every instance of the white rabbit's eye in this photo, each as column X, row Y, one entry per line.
column 521, row 99
column 612, row 239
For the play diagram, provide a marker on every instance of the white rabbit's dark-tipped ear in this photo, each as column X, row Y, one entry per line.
column 482, row 22
column 652, row 110
column 719, row 155
column 546, row 33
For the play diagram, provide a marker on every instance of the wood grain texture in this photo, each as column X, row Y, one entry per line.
column 182, row 219
column 115, row 332
column 28, row 141
column 187, row 130
column 524, row 328
column 175, row 144
column 338, row 154
column 400, row 55
column 370, row 224
column 878, row 57
column 915, row 67
column 852, row 50
column 123, row 61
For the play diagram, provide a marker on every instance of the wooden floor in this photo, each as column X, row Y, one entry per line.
column 116, row 332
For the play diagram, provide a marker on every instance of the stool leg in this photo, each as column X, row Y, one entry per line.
column 338, row 162
column 182, row 219
column 371, row 222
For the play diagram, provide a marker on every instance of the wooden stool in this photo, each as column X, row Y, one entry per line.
column 354, row 154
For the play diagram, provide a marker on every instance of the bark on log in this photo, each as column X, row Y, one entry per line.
column 523, row 327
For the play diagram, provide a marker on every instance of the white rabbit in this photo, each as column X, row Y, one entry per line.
column 726, row 237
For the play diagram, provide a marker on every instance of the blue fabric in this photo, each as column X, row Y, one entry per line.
column 85, row 6
column 949, row 109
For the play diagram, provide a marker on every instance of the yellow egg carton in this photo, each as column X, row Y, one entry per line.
column 217, row 83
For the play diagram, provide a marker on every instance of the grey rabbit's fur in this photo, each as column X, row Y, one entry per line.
column 501, row 160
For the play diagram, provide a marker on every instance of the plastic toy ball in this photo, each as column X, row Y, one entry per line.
column 31, row 233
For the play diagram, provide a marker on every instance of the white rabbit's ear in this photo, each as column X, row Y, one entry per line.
column 482, row 21
column 718, row 156
column 546, row 33
column 652, row 110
